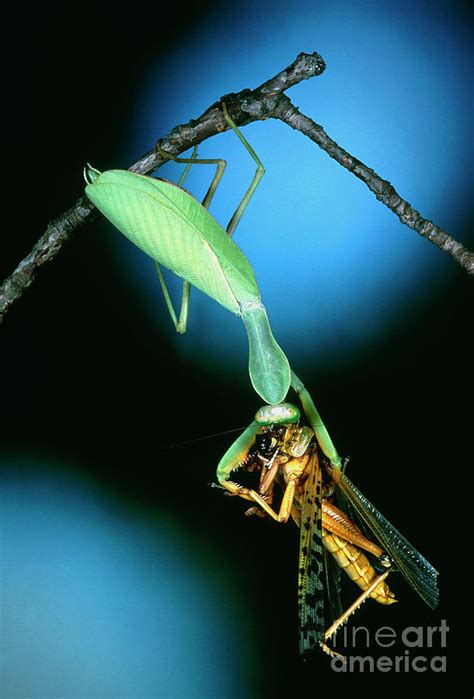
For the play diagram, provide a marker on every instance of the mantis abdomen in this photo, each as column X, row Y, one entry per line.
column 176, row 231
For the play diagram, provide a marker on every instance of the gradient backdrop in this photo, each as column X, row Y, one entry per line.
column 123, row 574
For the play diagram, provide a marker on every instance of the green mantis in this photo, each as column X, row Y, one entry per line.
column 178, row 232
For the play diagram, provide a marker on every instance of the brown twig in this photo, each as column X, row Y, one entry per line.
column 383, row 190
column 266, row 101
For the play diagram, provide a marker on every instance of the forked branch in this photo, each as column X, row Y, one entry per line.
column 266, row 101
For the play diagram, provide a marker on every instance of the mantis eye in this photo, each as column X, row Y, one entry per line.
column 281, row 414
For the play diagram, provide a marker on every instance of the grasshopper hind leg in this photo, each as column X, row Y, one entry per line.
column 350, row 610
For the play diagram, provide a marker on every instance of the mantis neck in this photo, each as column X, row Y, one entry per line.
column 268, row 366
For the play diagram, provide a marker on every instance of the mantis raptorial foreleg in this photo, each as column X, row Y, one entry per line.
column 294, row 469
column 314, row 419
column 181, row 322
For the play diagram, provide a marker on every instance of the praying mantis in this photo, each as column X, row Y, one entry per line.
column 178, row 232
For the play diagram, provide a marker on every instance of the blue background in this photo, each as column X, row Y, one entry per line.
column 123, row 573
column 336, row 268
column 81, row 614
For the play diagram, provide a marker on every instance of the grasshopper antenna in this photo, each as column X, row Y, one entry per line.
column 201, row 439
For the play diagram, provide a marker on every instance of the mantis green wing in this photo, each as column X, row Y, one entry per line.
column 175, row 230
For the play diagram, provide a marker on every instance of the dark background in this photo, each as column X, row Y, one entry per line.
column 89, row 386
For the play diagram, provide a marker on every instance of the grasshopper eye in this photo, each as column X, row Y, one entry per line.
column 265, row 444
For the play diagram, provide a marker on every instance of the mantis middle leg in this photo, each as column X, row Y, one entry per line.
column 180, row 322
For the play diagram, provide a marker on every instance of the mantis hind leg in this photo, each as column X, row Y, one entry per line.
column 181, row 322
column 193, row 160
column 239, row 212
